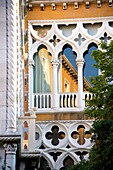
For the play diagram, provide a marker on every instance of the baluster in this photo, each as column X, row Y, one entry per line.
column 40, row 101
column 74, row 100
column 60, row 101
column 36, row 101
column 47, row 101
column 44, row 100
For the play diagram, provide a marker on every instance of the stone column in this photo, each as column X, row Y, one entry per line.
column 10, row 151
column 80, row 63
column 11, row 86
column 31, row 98
column 55, row 100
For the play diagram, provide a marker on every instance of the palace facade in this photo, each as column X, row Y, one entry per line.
column 45, row 70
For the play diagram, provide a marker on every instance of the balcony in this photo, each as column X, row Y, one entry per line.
column 67, row 102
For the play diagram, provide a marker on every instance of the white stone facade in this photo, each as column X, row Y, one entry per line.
column 60, row 140
column 51, row 142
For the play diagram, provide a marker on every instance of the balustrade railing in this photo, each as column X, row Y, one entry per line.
column 42, row 100
column 66, row 100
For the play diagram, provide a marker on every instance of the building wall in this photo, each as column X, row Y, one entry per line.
column 71, row 82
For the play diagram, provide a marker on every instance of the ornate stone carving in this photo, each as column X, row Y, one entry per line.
column 54, row 62
column 11, row 65
column 10, row 148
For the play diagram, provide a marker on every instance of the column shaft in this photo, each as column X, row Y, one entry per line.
column 55, row 100
column 31, row 98
column 80, row 63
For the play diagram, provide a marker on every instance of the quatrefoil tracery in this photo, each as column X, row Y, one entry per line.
column 54, row 40
column 55, row 135
column 80, row 135
column 105, row 37
column 80, row 39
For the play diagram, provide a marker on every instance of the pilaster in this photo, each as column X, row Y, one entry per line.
column 11, row 66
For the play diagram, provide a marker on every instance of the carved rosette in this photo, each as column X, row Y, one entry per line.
column 11, row 65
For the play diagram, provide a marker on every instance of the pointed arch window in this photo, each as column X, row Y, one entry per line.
column 42, row 70
column 89, row 70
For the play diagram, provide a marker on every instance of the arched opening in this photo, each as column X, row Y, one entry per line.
column 89, row 70
column 67, row 163
column 42, row 71
column 25, row 124
column 25, row 135
column 81, row 130
column 67, row 71
column 43, row 164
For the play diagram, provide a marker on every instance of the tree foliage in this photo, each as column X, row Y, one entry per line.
column 100, row 107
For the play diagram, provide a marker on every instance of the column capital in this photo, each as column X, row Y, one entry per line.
column 31, row 62
column 80, row 62
column 55, row 62
column 10, row 148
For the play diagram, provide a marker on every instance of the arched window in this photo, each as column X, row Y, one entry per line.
column 25, row 135
column 42, row 70
column 67, row 69
column 25, row 146
column 89, row 69
column 25, row 124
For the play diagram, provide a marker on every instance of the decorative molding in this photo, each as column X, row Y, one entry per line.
column 71, row 21
column 10, row 137
column 64, row 3
column 28, row 154
column 11, row 66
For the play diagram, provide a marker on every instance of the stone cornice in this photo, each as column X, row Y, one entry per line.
column 71, row 21
column 65, row 3
column 28, row 154
column 10, row 137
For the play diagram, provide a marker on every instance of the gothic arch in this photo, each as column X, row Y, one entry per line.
column 86, row 45
column 36, row 45
column 42, row 70
column 88, row 69
column 63, row 156
column 62, row 44
column 48, row 159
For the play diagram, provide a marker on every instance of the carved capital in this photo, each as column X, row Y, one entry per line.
column 80, row 62
column 10, row 148
column 31, row 63
column 54, row 62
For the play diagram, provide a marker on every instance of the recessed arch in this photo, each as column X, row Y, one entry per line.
column 70, row 43
column 36, row 45
column 25, row 124
column 42, row 70
column 67, row 163
column 71, row 55
column 67, row 70
column 89, row 70
column 48, row 160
